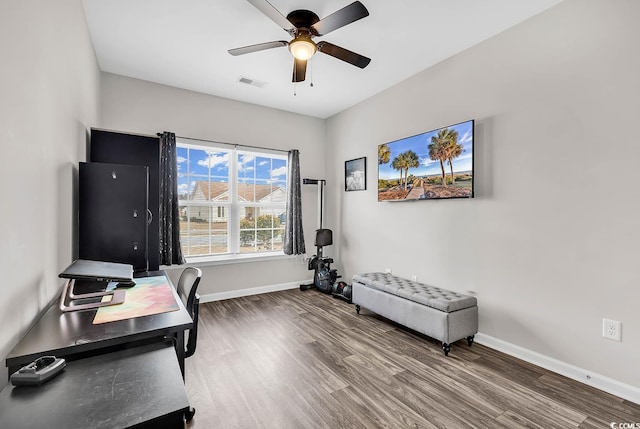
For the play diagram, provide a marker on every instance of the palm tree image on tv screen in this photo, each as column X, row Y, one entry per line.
column 436, row 164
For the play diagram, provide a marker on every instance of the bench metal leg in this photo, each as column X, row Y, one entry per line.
column 357, row 309
column 446, row 348
column 189, row 413
column 470, row 340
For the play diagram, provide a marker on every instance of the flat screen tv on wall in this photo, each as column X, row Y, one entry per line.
column 437, row 164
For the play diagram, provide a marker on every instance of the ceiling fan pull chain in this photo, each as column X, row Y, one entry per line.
column 311, row 72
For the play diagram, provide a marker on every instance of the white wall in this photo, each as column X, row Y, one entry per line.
column 550, row 243
column 49, row 86
column 138, row 106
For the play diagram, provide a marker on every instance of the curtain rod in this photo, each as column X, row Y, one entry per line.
column 235, row 145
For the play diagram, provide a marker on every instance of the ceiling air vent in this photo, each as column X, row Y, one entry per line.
column 252, row 82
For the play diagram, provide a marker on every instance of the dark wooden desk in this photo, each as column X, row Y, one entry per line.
column 140, row 387
column 72, row 335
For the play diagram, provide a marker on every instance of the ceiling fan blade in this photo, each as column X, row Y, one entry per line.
column 343, row 54
column 267, row 8
column 299, row 70
column 255, row 48
column 340, row 18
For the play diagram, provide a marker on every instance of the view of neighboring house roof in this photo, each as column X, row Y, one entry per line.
column 204, row 190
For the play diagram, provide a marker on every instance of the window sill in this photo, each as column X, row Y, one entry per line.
column 204, row 261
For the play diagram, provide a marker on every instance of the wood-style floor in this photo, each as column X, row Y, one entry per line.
column 295, row 359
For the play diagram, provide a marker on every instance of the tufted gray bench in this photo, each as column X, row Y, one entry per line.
column 441, row 314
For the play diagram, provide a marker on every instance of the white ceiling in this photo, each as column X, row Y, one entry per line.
column 184, row 43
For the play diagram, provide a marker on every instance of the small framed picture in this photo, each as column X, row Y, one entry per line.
column 355, row 174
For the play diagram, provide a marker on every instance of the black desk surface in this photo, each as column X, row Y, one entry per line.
column 140, row 387
column 65, row 334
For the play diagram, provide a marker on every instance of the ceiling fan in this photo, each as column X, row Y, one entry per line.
column 303, row 26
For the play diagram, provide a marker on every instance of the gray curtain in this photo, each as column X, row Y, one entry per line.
column 170, row 250
column 293, row 234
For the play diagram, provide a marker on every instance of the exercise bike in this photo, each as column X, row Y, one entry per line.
column 323, row 275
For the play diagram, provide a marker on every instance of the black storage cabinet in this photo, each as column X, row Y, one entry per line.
column 113, row 213
column 132, row 149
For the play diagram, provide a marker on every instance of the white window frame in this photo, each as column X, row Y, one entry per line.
column 232, row 206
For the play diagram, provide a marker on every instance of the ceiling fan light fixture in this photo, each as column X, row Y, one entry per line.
column 302, row 47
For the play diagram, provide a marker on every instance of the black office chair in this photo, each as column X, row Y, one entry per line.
column 187, row 290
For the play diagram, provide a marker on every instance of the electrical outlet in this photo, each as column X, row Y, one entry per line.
column 387, row 270
column 612, row 329
column 414, row 278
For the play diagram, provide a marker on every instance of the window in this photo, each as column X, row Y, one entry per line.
column 232, row 200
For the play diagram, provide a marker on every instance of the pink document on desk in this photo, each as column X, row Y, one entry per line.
column 150, row 295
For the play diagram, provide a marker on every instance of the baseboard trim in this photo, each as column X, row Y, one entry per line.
column 609, row 385
column 219, row 296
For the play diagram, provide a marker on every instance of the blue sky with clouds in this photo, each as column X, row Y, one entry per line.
column 211, row 164
column 420, row 145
